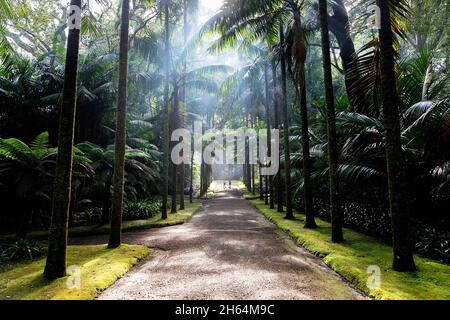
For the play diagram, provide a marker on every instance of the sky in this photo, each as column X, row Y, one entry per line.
column 208, row 8
column 211, row 4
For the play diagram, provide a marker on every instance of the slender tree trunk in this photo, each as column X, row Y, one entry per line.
column 248, row 173
column 201, row 180
column 202, row 169
column 182, row 181
column 300, row 56
column 165, row 134
column 279, row 187
column 309, row 207
column 403, row 257
column 252, row 165
column 336, row 216
column 119, row 161
column 175, row 125
column 261, row 194
column 243, row 174
column 174, row 183
column 287, row 152
column 191, row 182
column 57, row 244
column 269, row 181
column 253, row 180
column 183, row 166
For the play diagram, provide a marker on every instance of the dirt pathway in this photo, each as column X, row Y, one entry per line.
column 226, row 251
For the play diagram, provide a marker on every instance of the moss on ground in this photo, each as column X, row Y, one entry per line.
column 155, row 222
column 352, row 258
column 246, row 194
column 99, row 268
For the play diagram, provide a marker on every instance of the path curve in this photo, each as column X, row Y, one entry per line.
column 227, row 250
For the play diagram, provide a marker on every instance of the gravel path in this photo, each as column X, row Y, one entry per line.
column 226, row 251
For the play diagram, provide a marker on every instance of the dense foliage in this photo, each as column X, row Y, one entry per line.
column 266, row 68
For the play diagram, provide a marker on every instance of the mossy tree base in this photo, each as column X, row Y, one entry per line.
column 99, row 268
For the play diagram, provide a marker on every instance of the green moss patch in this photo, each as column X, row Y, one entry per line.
column 352, row 259
column 99, row 268
column 246, row 194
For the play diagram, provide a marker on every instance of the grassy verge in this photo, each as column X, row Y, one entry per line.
column 246, row 194
column 99, row 269
column 352, row 258
column 155, row 222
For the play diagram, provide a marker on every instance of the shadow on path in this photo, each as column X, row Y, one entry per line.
column 226, row 251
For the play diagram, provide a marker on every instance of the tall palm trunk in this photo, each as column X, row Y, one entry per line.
column 261, row 194
column 336, row 216
column 202, row 168
column 174, row 126
column 165, row 134
column 269, row 183
column 403, row 257
column 252, row 120
column 287, row 152
column 201, row 180
column 182, row 166
column 57, row 243
column 191, row 180
column 182, row 185
column 300, row 53
column 276, row 125
column 119, row 161
column 247, row 160
column 307, row 188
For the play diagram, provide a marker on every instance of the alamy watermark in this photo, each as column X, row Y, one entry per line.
column 74, row 278
column 374, row 278
column 74, row 17
column 233, row 147
column 374, row 20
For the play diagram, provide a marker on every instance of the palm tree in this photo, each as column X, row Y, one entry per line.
column 299, row 52
column 268, row 182
column 260, row 19
column 339, row 25
column 56, row 258
column 276, row 126
column 336, row 216
column 174, row 125
column 119, row 161
column 165, row 134
column 188, row 6
column 403, row 257
column 287, row 152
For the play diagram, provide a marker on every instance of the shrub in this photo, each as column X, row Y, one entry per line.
column 21, row 249
column 88, row 216
column 141, row 210
column 434, row 243
column 365, row 217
